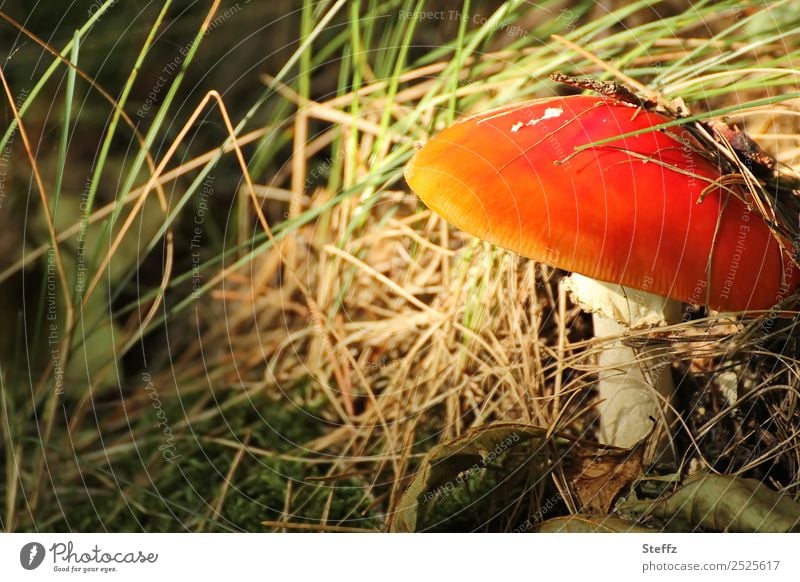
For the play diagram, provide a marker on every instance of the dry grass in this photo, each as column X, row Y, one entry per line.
column 392, row 331
column 413, row 333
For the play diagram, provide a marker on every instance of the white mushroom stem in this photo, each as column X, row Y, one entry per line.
column 635, row 386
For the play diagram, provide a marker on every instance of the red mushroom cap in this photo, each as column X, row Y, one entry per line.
column 627, row 211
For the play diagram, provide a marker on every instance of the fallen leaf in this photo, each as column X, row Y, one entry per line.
column 451, row 463
column 724, row 503
column 598, row 476
column 590, row 524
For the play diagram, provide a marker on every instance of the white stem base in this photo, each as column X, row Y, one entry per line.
column 635, row 389
column 632, row 393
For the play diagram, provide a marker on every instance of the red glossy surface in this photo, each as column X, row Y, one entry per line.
column 624, row 212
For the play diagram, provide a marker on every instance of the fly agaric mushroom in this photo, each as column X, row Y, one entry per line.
column 645, row 219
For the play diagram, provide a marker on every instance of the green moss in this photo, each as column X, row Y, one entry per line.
column 160, row 496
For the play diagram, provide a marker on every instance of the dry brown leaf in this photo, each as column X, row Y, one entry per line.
column 590, row 524
column 598, row 476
